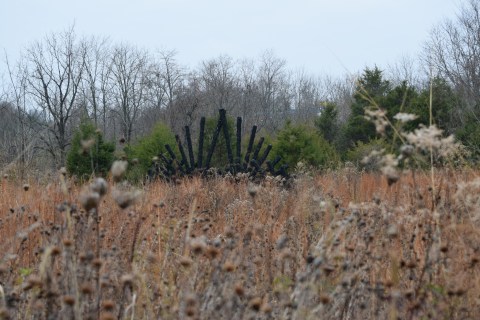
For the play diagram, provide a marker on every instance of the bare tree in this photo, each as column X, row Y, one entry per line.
column 220, row 84
column 453, row 52
column 248, row 87
column 272, row 84
column 96, row 85
column 306, row 97
column 171, row 75
column 55, row 68
column 18, row 84
column 340, row 92
column 128, row 74
column 405, row 69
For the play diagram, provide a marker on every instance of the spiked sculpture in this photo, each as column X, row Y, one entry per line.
column 169, row 166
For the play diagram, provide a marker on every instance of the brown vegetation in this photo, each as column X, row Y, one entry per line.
column 342, row 245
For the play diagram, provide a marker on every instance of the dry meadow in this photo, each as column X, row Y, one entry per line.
column 337, row 245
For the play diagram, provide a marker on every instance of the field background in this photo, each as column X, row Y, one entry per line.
column 338, row 245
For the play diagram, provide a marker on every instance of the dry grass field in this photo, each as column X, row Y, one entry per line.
column 341, row 245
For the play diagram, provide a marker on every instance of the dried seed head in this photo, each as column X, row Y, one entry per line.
column 444, row 248
column 127, row 280
column 252, row 190
column 55, row 251
column 34, row 281
column 152, row 258
column 328, row 269
column 197, row 245
column 87, row 145
column 97, row 263
column 67, row 243
column 266, row 308
column 63, row 171
column 190, row 312
column 286, row 255
column 186, row 261
column 89, row 200
column 325, row 298
column 190, row 300
column 229, row 232
column 118, row 169
column 69, row 300
column 125, row 199
column 229, row 266
column 239, row 289
column 255, row 303
column 100, row 186
column 212, row 252
column 86, row 289
column 407, row 150
column 392, row 231
column 108, row 305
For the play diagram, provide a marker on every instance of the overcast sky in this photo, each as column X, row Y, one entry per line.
column 321, row 36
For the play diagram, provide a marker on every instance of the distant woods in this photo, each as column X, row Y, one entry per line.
column 63, row 80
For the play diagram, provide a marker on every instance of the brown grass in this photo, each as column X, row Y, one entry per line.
column 343, row 245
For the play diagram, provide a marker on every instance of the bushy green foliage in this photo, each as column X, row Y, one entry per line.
column 469, row 136
column 371, row 88
column 326, row 123
column 444, row 102
column 364, row 149
column 148, row 147
column 297, row 143
column 89, row 154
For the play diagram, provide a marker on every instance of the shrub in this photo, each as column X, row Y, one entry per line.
column 147, row 148
column 89, row 154
column 364, row 149
column 297, row 143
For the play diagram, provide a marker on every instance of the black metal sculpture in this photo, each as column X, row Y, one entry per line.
column 169, row 166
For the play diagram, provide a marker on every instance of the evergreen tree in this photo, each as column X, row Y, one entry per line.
column 89, row 154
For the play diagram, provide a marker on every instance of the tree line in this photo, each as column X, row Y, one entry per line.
column 63, row 80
